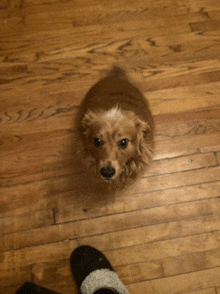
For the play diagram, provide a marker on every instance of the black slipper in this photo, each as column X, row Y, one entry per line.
column 85, row 260
column 92, row 271
column 30, row 288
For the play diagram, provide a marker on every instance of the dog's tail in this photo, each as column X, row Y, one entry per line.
column 117, row 73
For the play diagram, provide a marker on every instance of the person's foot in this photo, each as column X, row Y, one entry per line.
column 92, row 271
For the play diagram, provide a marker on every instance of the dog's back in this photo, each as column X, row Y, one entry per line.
column 116, row 90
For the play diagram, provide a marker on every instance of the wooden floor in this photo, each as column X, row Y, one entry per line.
column 162, row 235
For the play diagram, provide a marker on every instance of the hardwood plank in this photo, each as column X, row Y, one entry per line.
column 33, row 125
column 10, row 4
column 69, row 211
column 163, row 249
column 140, row 272
column 210, row 148
column 218, row 157
column 179, row 179
column 24, row 119
column 178, row 43
column 115, row 20
column 152, row 233
column 46, row 17
column 189, row 98
column 182, row 163
column 215, row 15
column 103, row 32
column 179, row 284
column 179, row 146
column 208, row 25
column 165, row 72
column 191, row 6
column 175, row 127
column 4, row 4
column 195, row 6
column 70, row 207
column 15, row 276
column 99, row 15
column 49, row 42
column 183, row 119
column 38, row 254
column 205, row 291
column 55, row 275
column 192, row 262
column 26, row 221
column 112, row 223
column 38, row 157
column 158, row 77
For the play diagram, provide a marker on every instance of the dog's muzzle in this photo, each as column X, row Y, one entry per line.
column 107, row 172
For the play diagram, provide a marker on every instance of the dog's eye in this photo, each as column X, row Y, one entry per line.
column 97, row 142
column 123, row 143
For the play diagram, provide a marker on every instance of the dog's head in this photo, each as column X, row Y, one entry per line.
column 114, row 142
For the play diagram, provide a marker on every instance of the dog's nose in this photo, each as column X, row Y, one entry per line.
column 108, row 172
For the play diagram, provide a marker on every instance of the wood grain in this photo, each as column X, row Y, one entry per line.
column 26, row 221
column 162, row 233
column 185, row 283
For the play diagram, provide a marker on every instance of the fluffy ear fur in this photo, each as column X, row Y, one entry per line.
column 143, row 147
column 142, row 126
column 89, row 118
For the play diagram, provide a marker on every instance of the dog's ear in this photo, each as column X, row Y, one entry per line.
column 88, row 120
column 143, row 147
column 142, row 127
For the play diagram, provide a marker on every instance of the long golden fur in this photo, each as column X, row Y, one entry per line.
column 115, row 129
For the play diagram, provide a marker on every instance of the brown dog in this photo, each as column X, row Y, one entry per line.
column 115, row 129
